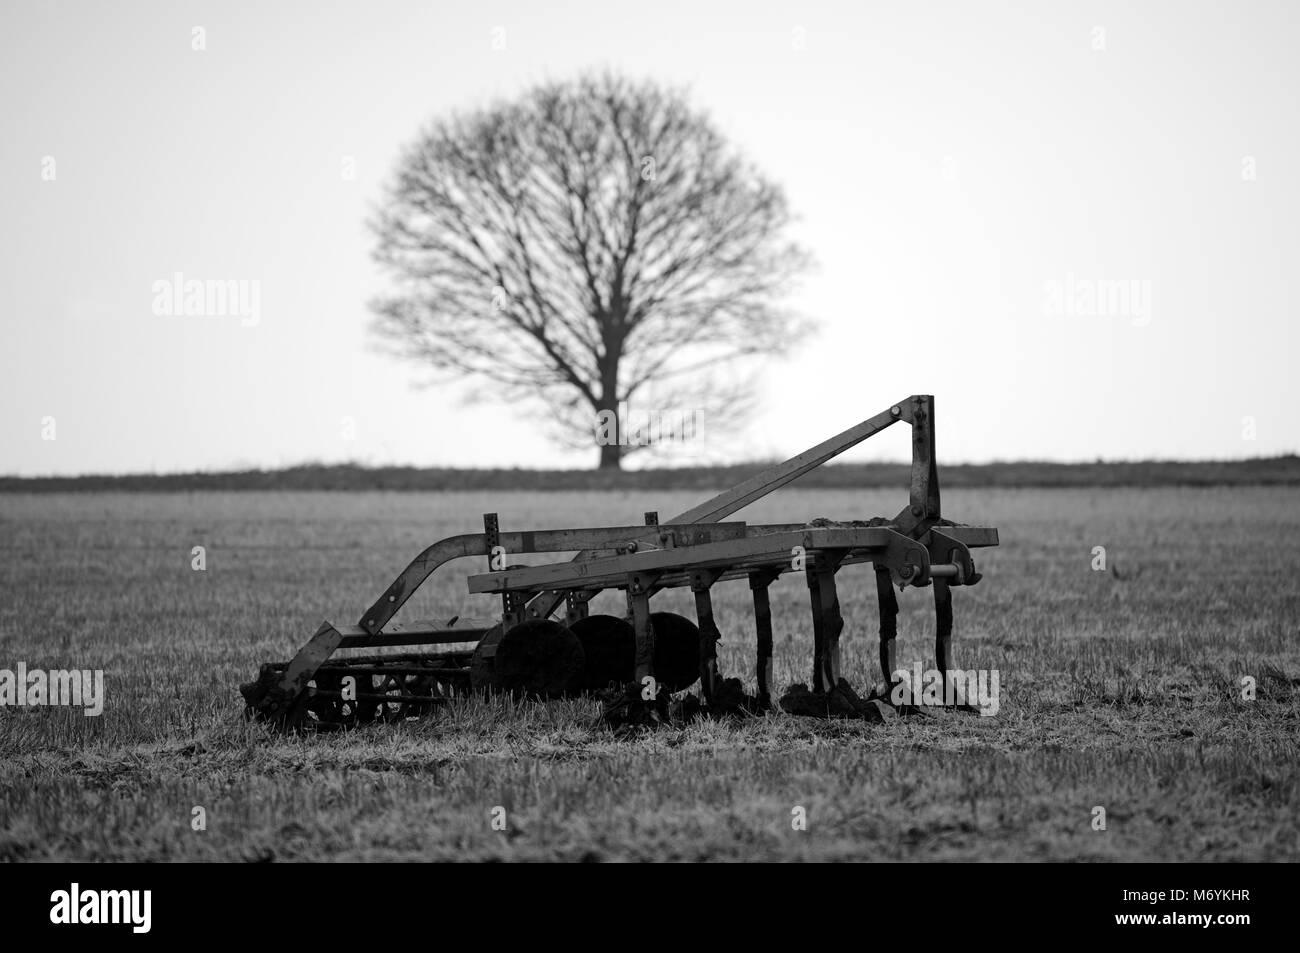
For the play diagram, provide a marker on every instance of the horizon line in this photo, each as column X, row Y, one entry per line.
column 759, row 462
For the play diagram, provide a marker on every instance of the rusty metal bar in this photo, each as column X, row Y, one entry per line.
column 819, row 628
column 888, row 624
column 832, row 620
column 709, row 635
column 638, row 603
column 943, row 630
column 759, row 583
column 491, row 535
column 775, row 477
column 923, row 505
column 396, row 671
column 575, row 605
column 372, row 697
column 609, row 571
column 593, row 540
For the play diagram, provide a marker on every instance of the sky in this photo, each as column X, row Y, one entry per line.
column 1073, row 223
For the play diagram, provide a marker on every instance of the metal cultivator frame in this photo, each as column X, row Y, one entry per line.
column 527, row 652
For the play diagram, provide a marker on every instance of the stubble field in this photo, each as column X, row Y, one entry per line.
column 1119, row 689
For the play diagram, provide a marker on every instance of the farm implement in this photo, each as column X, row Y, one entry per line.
column 546, row 644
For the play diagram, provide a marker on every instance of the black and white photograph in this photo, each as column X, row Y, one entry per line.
column 744, row 433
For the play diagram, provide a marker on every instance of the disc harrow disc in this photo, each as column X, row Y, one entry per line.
column 538, row 659
column 609, row 651
column 677, row 650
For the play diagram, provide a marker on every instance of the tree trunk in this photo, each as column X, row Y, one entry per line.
column 611, row 456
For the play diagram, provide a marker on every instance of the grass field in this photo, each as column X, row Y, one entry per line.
column 1120, row 689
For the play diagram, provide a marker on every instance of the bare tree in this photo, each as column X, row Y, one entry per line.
column 593, row 245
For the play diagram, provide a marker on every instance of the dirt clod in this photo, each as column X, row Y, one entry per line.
column 840, row 702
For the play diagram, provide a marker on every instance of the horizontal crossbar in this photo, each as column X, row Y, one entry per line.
column 759, row 550
column 416, row 632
